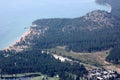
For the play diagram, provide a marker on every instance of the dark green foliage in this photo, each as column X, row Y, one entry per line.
column 76, row 39
column 34, row 61
column 81, row 34
column 72, row 33
column 114, row 56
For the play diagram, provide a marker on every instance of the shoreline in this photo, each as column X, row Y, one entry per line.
column 17, row 39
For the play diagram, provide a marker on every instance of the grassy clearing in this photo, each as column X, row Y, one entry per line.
column 36, row 78
column 44, row 77
column 89, row 59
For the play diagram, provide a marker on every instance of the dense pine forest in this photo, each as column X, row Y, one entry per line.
column 114, row 56
column 96, row 31
column 80, row 48
column 30, row 61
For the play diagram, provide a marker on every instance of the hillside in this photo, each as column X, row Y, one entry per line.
column 37, row 61
column 96, row 31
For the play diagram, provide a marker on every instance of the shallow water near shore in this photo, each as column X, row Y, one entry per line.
column 16, row 16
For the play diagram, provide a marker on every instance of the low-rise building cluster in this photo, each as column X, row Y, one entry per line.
column 102, row 74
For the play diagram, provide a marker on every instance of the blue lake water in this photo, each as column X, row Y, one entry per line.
column 15, row 15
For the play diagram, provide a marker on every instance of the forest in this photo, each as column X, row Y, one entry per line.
column 30, row 61
column 114, row 56
column 96, row 31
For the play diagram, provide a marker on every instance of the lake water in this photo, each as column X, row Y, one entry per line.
column 15, row 15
